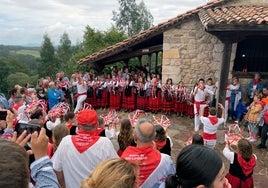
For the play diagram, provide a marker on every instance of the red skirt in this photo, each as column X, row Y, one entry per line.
column 128, row 101
column 91, row 100
column 180, row 107
column 154, row 103
column 238, row 183
column 167, row 105
column 103, row 101
column 142, row 103
column 190, row 109
column 115, row 99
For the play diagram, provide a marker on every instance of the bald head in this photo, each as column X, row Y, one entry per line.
column 144, row 130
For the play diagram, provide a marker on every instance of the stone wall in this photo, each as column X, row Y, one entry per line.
column 190, row 53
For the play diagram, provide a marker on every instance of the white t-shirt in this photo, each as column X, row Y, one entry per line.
column 209, row 127
column 77, row 166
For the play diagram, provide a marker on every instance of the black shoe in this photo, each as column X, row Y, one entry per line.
column 260, row 146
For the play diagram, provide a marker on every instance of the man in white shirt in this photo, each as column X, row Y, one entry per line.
column 77, row 155
column 200, row 94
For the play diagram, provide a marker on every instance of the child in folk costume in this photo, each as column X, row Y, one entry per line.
column 236, row 93
column 91, row 95
column 128, row 94
column 181, row 99
column 211, row 98
column 190, row 102
column 154, row 96
column 242, row 164
column 81, row 92
column 102, row 93
column 115, row 96
column 200, row 93
column 167, row 96
column 211, row 124
column 141, row 94
column 252, row 117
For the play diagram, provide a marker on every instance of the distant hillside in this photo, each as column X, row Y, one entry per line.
column 9, row 51
column 24, row 55
column 34, row 53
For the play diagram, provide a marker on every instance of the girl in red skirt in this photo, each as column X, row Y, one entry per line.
column 141, row 94
column 115, row 96
column 168, row 96
column 102, row 93
column 128, row 94
column 181, row 99
column 242, row 165
column 154, row 96
column 91, row 96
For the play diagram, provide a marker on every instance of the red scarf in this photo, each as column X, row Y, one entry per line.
column 160, row 144
column 84, row 140
column 213, row 120
column 147, row 157
column 247, row 166
column 256, row 81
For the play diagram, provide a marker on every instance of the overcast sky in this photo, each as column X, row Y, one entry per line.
column 24, row 22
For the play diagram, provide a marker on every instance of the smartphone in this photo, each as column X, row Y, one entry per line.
column 3, row 115
column 30, row 128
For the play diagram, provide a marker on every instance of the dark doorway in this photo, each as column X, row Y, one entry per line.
column 252, row 55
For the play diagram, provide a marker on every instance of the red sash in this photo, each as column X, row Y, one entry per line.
column 84, row 140
column 209, row 136
column 197, row 104
column 148, row 159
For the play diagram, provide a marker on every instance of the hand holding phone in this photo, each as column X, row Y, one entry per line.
column 39, row 144
column 29, row 128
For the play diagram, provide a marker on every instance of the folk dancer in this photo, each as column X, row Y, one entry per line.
column 200, row 93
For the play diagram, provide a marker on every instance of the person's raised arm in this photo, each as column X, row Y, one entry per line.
column 41, row 169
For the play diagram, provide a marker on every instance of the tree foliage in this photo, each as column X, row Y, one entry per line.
column 17, row 78
column 64, row 51
column 48, row 65
column 132, row 18
column 95, row 40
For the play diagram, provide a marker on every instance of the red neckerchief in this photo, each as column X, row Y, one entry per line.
column 247, row 166
column 256, row 81
column 202, row 89
column 147, row 157
column 160, row 144
column 84, row 140
column 98, row 131
column 213, row 119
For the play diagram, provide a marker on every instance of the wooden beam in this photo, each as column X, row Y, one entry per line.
column 130, row 54
column 225, row 66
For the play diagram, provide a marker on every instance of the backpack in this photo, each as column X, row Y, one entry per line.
column 3, row 101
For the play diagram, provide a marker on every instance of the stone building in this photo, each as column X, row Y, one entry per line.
column 220, row 39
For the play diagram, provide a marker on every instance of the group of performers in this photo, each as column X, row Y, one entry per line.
column 122, row 90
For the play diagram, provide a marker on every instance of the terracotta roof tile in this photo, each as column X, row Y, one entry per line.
column 234, row 15
column 153, row 31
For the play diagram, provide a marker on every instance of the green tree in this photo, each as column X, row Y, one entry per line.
column 17, row 78
column 64, row 51
column 95, row 40
column 132, row 18
column 48, row 64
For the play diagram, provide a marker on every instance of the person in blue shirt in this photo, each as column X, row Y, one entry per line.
column 53, row 95
column 255, row 86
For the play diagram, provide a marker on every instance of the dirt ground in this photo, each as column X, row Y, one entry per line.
column 182, row 128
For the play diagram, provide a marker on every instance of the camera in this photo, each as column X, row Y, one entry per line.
column 30, row 128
